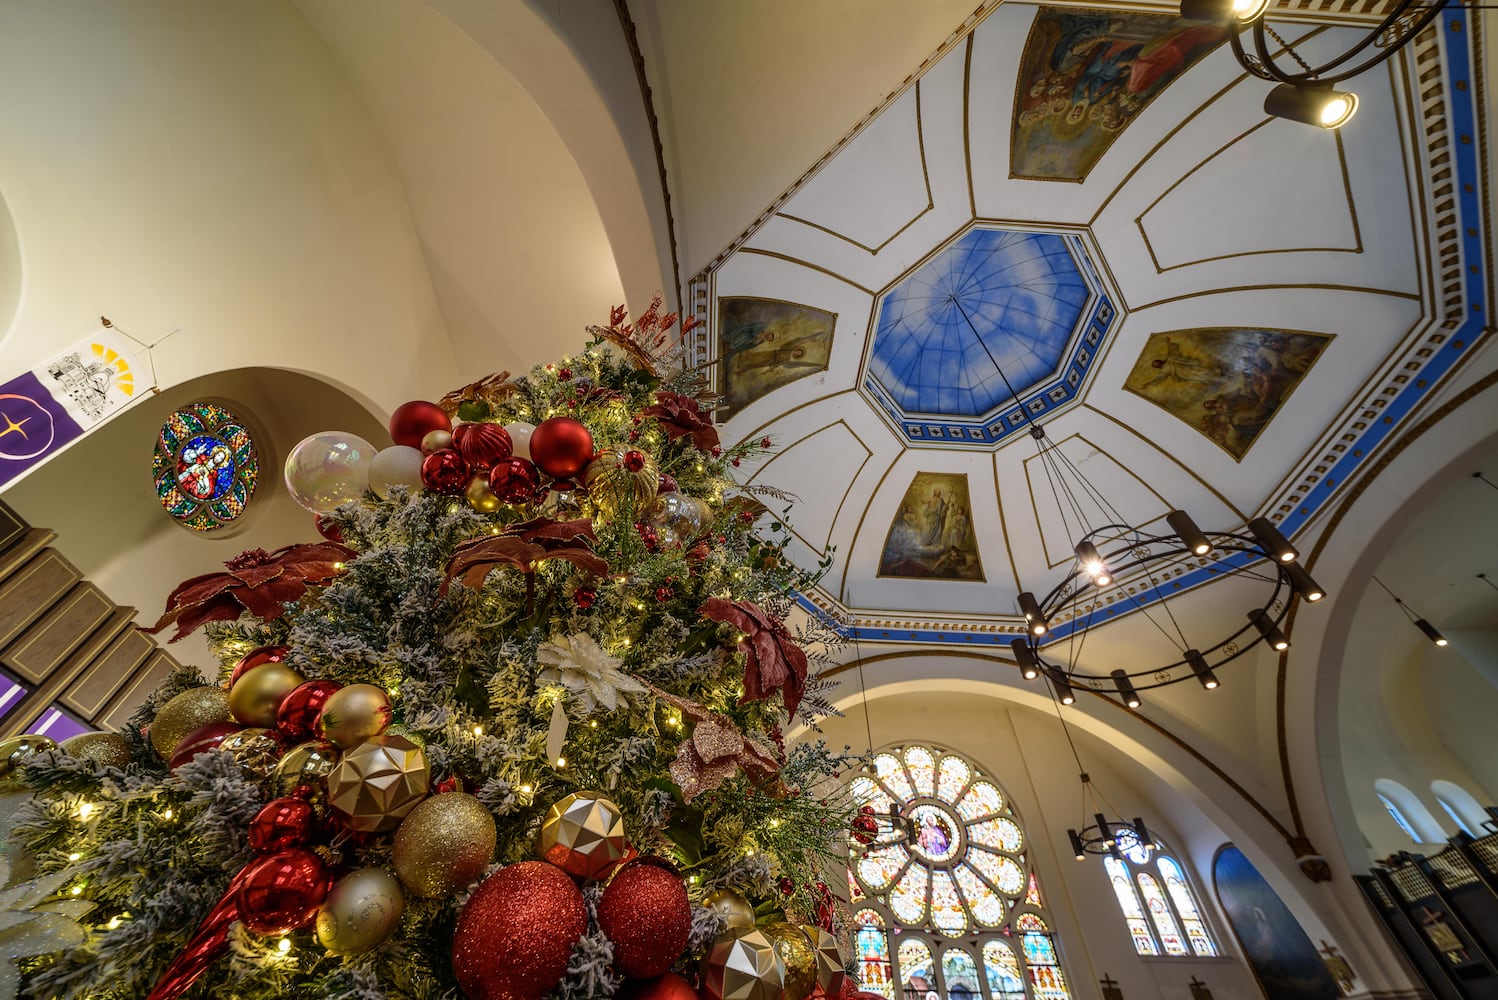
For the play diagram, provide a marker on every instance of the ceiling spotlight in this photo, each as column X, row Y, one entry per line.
column 1222, row 11
column 1271, row 541
column 1092, row 563
column 1431, row 632
column 1029, row 668
column 1064, row 693
column 1031, row 610
column 1142, row 832
column 1199, row 667
column 1307, row 588
column 1076, row 845
column 1126, row 688
column 1311, row 104
column 1180, row 522
column 1269, row 630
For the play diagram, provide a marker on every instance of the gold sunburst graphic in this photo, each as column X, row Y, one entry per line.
column 123, row 378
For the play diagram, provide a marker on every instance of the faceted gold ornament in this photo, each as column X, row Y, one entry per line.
column 14, row 752
column 735, row 909
column 795, row 953
column 255, row 749
column 305, row 764
column 743, row 965
column 187, row 711
column 378, row 782
column 829, row 958
column 583, row 835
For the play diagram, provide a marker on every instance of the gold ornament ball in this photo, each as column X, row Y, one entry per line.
column 678, row 519
column 617, row 490
column 257, row 694
column 583, row 834
column 796, row 954
column 255, row 749
column 445, row 844
column 187, row 711
column 14, row 752
column 305, row 764
column 354, row 714
column 109, row 749
column 743, row 965
column 376, row 784
column 435, row 440
column 831, row 973
column 480, row 497
column 735, row 909
column 363, row 909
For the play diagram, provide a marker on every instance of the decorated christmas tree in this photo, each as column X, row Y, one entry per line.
column 512, row 730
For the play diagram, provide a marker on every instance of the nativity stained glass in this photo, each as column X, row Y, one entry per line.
column 205, row 466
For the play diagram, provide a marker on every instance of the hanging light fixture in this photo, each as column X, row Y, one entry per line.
column 1426, row 628
column 1302, row 92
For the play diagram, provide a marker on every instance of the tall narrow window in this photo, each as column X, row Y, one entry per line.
column 1128, row 901
column 1185, row 904
column 1145, row 880
column 871, row 949
column 1165, row 921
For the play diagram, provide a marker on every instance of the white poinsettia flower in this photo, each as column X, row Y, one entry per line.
column 589, row 674
column 33, row 921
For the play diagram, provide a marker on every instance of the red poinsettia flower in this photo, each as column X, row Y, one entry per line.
column 262, row 583
column 772, row 659
column 680, row 416
column 524, row 545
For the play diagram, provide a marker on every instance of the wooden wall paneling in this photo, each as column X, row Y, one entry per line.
column 33, row 589
column 12, row 527
column 146, row 680
column 50, row 642
column 21, row 550
column 111, row 670
column 52, row 685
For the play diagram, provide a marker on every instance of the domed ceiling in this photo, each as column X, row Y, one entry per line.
column 1084, row 219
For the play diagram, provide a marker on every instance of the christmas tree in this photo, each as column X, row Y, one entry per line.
column 513, row 729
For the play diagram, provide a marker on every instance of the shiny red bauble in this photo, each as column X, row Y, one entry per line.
column 282, row 891
column 514, row 480
column 411, row 421
column 445, row 471
column 258, row 658
column 561, row 447
column 516, row 933
column 282, row 823
column 665, row 484
column 296, row 718
column 646, row 914
column 667, row 987
column 482, row 444
column 201, row 740
column 328, row 528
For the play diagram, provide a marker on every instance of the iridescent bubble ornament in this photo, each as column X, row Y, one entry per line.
column 328, row 469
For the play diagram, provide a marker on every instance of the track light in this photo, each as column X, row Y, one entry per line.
column 1143, row 834
column 1222, row 11
column 1180, row 522
column 1269, row 630
column 1271, row 541
column 1102, row 828
column 1199, row 667
column 1030, row 608
column 1126, row 688
column 1431, row 632
column 1076, row 845
column 1029, row 668
column 1307, row 588
column 1064, row 693
column 1311, row 104
column 1092, row 563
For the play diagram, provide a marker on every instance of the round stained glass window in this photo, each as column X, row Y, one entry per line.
column 205, row 467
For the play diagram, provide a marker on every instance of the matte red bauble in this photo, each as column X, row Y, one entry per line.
column 296, row 719
column 282, row 891
column 445, row 471
column 282, row 823
column 514, row 480
column 645, row 913
column 258, row 658
column 328, row 528
column 561, row 447
column 516, row 933
column 201, row 740
column 482, row 444
column 667, row 987
column 411, row 421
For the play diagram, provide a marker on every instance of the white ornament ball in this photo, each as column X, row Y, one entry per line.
column 328, row 469
column 520, row 438
column 398, row 465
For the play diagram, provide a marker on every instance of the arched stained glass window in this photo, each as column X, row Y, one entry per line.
column 1136, row 874
column 947, row 885
column 1128, row 901
column 1165, row 921
column 1180, row 895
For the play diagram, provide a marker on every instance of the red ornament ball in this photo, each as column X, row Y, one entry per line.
column 645, row 913
column 282, row 823
column 864, row 829
column 282, row 891
column 445, row 471
column 201, row 740
column 296, row 719
column 516, row 933
column 667, row 987
column 514, row 480
column 633, row 461
column 412, row 421
column 664, row 594
column 584, row 597
column 482, row 444
column 786, row 886
column 258, row 658
column 665, row 484
column 327, row 528
column 561, row 447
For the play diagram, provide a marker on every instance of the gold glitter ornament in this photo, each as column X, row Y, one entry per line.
column 363, row 909
column 353, row 714
column 735, row 909
column 109, row 749
column 621, row 481
column 831, row 972
column 583, row 834
column 796, row 954
column 743, row 965
column 444, row 844
column 376, row 784
column 480, row 497
column 14, row 752
column 255, row 749
column 255, row 697
column 304, row 764
column 187, row 711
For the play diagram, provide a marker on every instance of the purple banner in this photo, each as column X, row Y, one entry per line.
column 33, row 426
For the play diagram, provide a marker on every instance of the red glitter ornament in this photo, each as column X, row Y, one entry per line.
column 645, row 913
column 667, row 987
column 282, row 891
column 561, row 447
column 296, row 718
column 664, row 594
column 482, row 444
column 201, row 740
column 412, row 421
column 786, row 885
column 258, row 658
column 282, row 823
column 516, row 933
column 634, row 461
column 584, row 597
column 445, row 471
column 514, row 480
column 565, row 375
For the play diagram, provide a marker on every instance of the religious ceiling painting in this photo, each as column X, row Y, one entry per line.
column 1283, row 959
column 1226, row 383
column 1083, row 78
column 764, row 344
column 205, row 467
column 932, row 535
